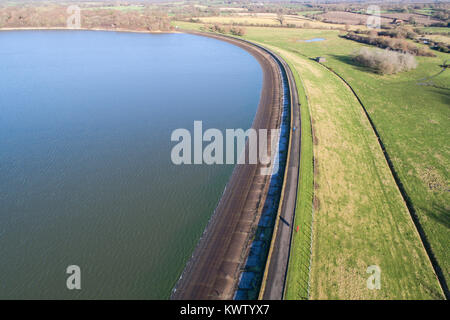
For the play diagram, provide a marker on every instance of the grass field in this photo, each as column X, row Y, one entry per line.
column 412, row 121
column 303, row 13
column 270, row 19
column 350, row 18
column 355, row 226
column 426, row 11
column 439, row 38
column 419, row 18
column 359, row 216
column 119, row 8
column 434, row 30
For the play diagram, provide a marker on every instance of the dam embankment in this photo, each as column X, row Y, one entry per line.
column 219, row 265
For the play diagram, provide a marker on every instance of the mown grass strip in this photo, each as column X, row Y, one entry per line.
column 297, row 286
column 406, row 198
column 359, row 218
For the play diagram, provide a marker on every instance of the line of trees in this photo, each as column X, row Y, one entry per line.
column 233, row 30
column 396, row 44
column 151, row 20
column 399, row 32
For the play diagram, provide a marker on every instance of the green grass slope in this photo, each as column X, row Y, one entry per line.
column 360, row 218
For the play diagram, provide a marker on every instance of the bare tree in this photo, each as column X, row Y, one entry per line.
column 280, row 18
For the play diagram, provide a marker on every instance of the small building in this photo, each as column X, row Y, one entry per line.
column 321, row 59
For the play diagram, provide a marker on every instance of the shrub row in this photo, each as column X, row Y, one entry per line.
column 385, row 61
column 234, row 30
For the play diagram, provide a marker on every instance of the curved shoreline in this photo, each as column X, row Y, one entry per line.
column 214, row 269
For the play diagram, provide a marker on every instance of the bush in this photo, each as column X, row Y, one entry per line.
column 399, row 32
column 385, row 61
column 237, row 31
column 234, row 29
column 440, row 46
column 217, row 28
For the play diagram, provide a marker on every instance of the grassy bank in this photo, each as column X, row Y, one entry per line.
column 359, row 216
column 409, row 116
column 299, row 260
column 410, row 111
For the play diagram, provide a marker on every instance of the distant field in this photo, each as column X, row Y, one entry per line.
column 349, row 18
column 360, row 218
column 120, row 8
column 425, row 11
column 303, row 13
column 439, row 38
column 435, row 30
column 233, row 9
column 417, row 17
column 269, row 19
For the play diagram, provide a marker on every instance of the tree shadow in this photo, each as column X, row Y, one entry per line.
column 284, row 221
column 348, row 59
column 440, row 93
column 439, row 214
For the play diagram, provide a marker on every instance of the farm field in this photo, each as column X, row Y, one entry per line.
column 411, row 121
column 269, row 19
column 349, row 17
column 439, row 38
column 425, row 11
column 120, row 8
column 426, row 20
column 435, row 30
column 303, row 13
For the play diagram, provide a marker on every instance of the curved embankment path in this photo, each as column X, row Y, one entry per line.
column 275, row 275
column 216, row 264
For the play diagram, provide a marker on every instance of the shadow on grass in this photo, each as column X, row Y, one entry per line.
column 348, row 59
column 442, row 93
column 439, row 214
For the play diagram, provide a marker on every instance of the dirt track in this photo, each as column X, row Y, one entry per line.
column 214, row 268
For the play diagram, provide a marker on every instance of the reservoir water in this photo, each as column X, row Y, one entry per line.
column 86, row 177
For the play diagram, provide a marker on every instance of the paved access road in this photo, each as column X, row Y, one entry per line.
column 277, row 264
